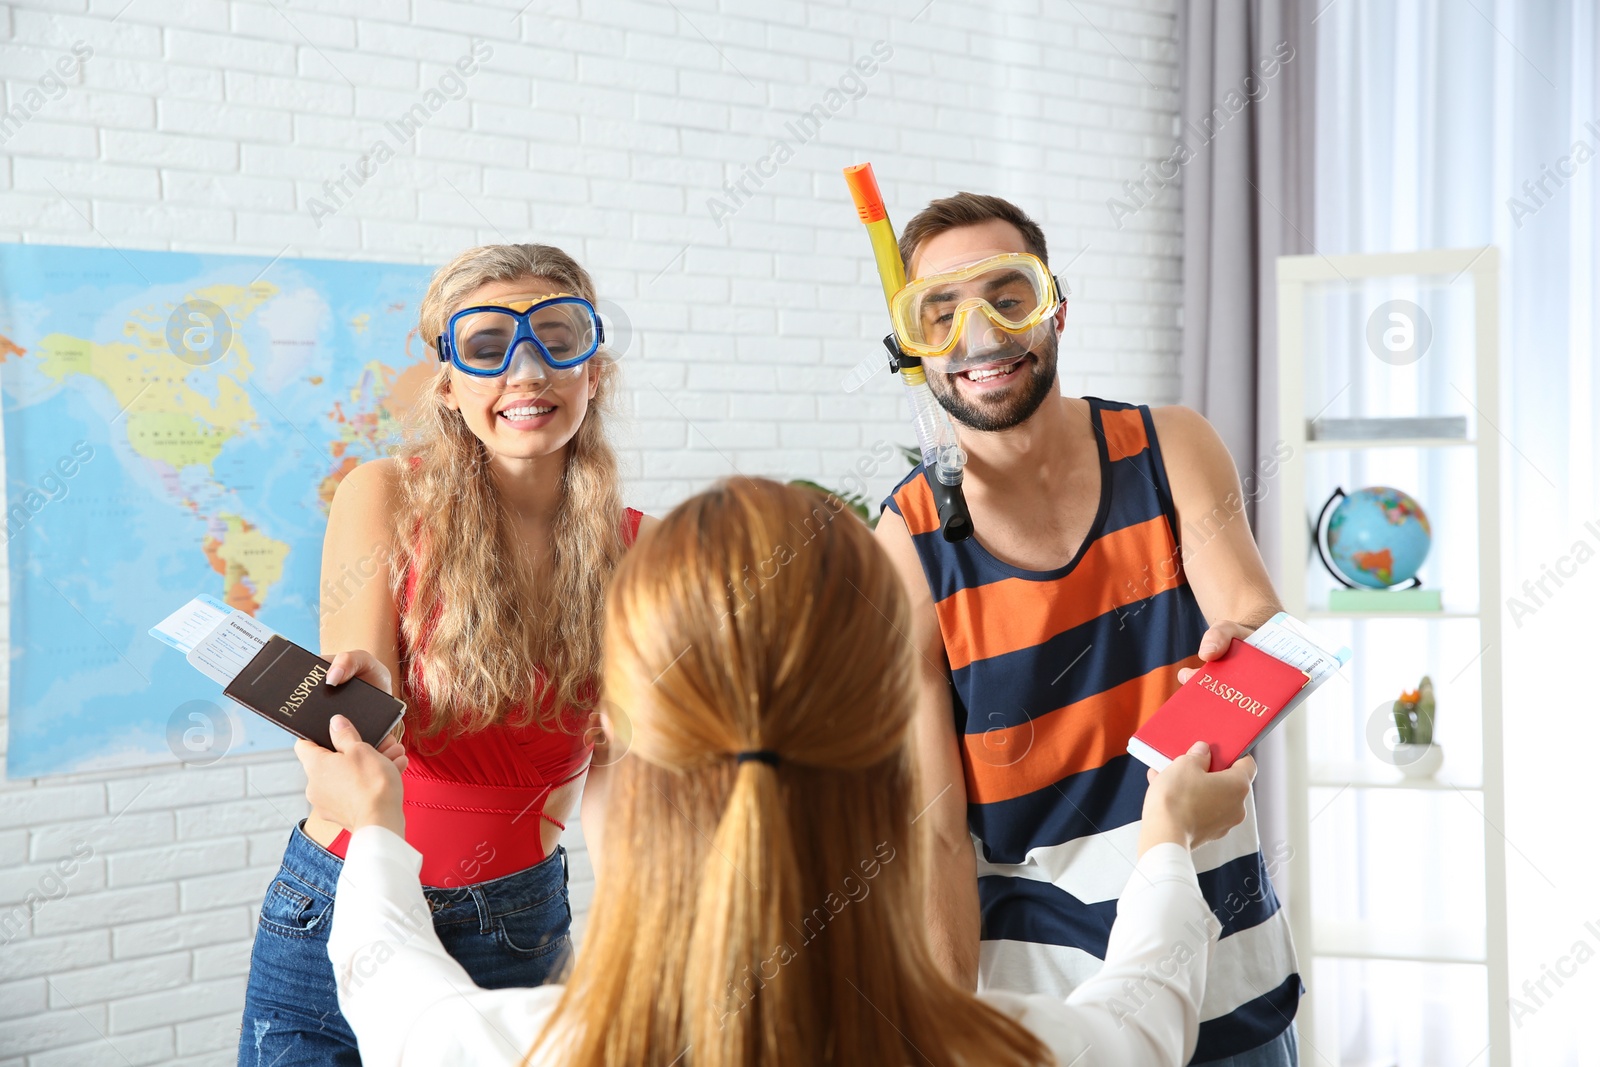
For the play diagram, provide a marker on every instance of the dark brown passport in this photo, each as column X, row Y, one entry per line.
column 287, row 686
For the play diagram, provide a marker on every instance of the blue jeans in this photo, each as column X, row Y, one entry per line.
column 512, row 931
column 1281, row 1051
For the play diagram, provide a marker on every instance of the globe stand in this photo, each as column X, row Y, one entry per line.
column 1411, row 600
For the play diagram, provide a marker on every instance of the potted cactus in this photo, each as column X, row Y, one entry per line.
column 1415, row 752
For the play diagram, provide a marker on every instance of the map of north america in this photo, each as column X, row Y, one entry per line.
column 219, row 401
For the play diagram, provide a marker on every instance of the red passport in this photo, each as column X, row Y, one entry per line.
column 1229, row 703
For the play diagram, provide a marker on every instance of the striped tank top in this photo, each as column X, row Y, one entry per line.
column 1050, row 673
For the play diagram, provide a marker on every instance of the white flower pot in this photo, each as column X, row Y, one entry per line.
column 1418, row 761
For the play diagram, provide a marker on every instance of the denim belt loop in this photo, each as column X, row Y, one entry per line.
column 566, row 867
column 485, row 915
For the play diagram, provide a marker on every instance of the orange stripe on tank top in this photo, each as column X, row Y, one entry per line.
column 917, row 507
column 1119, row 568
column 1007, row 763
column 1124, row 433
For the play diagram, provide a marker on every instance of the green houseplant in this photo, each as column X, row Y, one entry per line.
column 856, row 502
column 1416, row 753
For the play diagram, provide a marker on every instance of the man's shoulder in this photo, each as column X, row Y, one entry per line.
column 1184, row 432
column 1192, row 451
column 1179, row 420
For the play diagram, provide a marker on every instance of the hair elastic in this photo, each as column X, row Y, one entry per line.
column 760, row 755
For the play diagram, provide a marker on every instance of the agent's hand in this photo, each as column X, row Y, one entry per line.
column 358, row 663
column 356, row 785
column 1191, row 805
column 1215, row 642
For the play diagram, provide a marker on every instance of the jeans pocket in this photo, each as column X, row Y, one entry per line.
column 536, row 932
column 292, row 912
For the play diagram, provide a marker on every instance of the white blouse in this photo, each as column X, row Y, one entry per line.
column 409, row 1003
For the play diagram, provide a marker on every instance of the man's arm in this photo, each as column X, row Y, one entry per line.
column 952, row 867
column 1220, row 557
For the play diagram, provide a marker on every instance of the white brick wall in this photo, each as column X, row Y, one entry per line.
column 603, row 127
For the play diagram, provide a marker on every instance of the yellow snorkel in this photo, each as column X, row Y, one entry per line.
column 942, row 457
column 885, row 249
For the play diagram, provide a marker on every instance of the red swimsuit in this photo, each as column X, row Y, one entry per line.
column 473, row 804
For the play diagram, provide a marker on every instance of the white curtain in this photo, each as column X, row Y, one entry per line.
column 1455, row 123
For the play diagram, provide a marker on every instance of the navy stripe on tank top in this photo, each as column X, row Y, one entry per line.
column 1050, row 673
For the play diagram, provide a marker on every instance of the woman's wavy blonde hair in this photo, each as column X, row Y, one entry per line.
column 763, row 915
column 483, row 634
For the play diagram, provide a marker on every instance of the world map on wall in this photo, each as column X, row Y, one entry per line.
column 176, row 424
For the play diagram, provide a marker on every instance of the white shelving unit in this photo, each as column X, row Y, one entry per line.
column 1407, row 936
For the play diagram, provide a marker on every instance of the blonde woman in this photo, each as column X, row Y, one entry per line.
column 762, row 868
column 471, row 568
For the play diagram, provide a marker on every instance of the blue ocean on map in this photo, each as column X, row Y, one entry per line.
column 176, row 424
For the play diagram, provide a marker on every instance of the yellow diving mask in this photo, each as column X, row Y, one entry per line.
column 975, row 313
